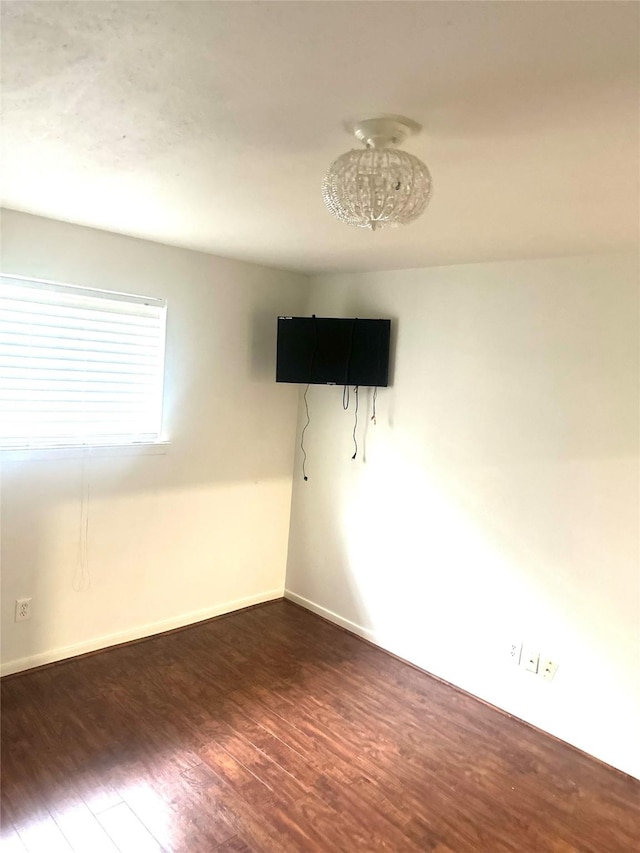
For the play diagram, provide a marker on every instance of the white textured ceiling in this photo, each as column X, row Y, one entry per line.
column 210, row 124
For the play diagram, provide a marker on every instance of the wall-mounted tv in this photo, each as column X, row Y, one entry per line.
column 333, row 351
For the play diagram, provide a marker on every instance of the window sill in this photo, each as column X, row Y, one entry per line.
column 32, row 454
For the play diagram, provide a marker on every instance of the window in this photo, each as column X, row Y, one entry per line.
column 78, row 366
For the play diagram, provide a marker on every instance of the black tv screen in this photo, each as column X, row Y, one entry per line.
column 333, row 351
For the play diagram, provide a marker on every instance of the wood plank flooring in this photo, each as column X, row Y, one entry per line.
column 272, row 730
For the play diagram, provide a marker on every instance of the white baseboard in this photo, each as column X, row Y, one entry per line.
column 365, row 633
column 137, row 633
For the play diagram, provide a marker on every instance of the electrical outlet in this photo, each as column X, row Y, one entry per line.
column 515, row 652
column 530, row 660
column 547, row 668
column 23, row 609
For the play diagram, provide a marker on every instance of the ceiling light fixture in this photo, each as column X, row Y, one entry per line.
column 379, row 185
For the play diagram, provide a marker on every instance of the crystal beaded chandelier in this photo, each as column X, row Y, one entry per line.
column 379, row 185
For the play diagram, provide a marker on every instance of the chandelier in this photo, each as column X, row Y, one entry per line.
column 378, row 185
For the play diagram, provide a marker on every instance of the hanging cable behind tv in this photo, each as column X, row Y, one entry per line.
column 306, row 403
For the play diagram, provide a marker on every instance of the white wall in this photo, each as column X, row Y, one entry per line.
column 496, row 499
column 172, row 538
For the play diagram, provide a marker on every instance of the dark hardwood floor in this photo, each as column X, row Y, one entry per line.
column 272, row 730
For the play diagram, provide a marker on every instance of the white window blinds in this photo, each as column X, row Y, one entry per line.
column 78, row 366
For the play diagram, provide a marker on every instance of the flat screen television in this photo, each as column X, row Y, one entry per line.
column 333, row 351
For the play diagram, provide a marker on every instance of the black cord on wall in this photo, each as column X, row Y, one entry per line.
column 355, row 425
column 306, row 402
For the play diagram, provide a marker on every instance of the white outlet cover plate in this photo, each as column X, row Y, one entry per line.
column 530, row 660
column 515, row 652
column 23, row 609
column 547, row 668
